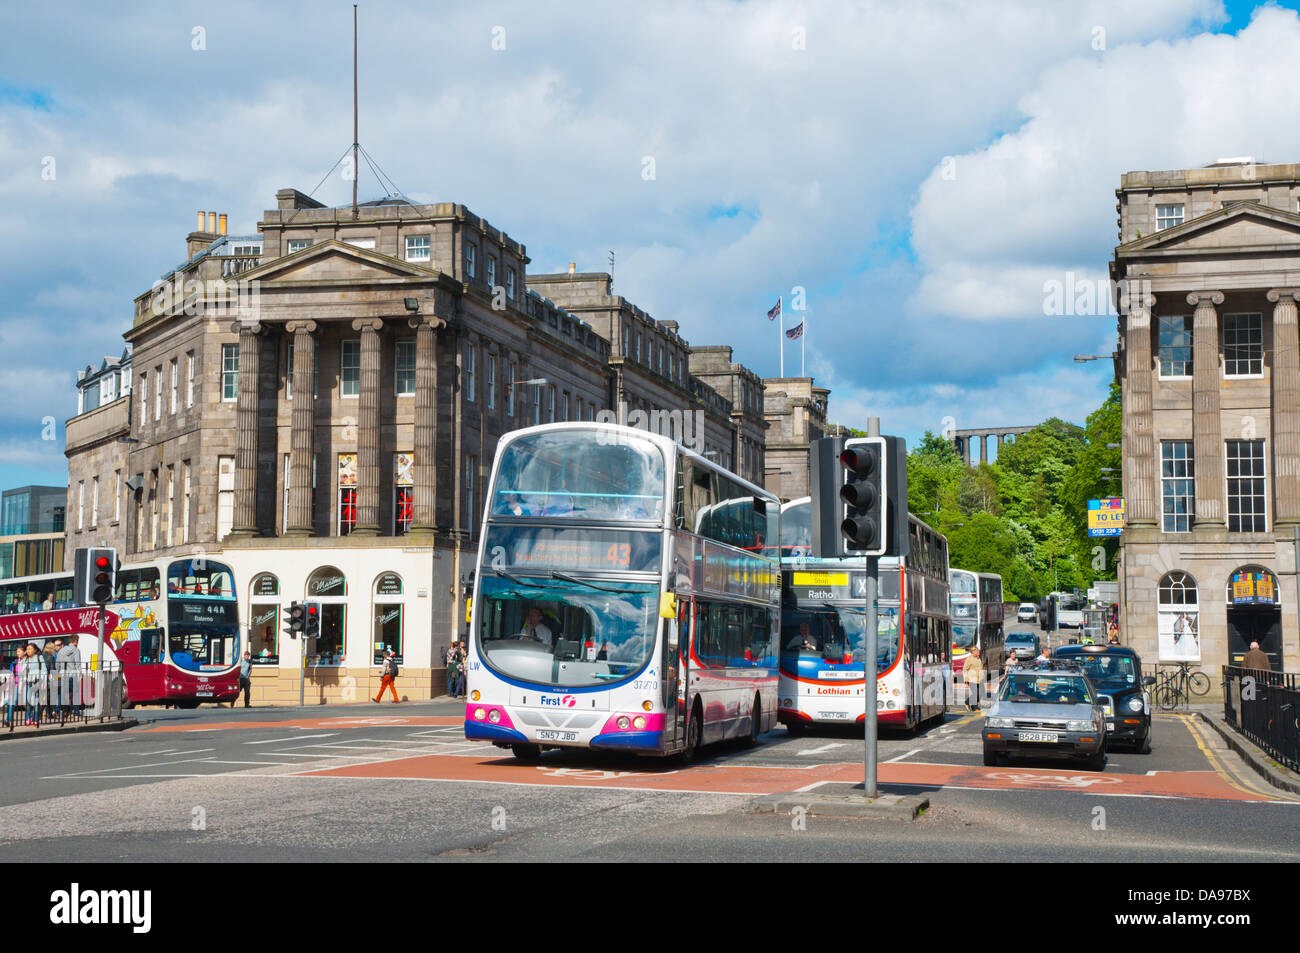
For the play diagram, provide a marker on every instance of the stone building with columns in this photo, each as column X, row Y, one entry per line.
column 965, row 441
column 318, row 406
column 795, row 410
column 1206, row 275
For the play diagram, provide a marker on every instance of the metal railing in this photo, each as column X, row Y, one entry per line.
column 1265, row 707
column 72, row 694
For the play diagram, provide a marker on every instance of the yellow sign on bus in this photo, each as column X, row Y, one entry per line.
column 821, row 579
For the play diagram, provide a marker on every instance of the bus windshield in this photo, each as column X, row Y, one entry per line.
column 796, row 530
column 566, row 633
column 837, row 634
column 963, row 635
column 961, row 583
column 203, row 615
column 197, row 647
column 580, row 474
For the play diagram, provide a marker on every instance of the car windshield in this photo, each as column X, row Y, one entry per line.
column 1046, row 688
column 838, row 634
column 566, row 633
column 1109, row 669
column 1020, row 638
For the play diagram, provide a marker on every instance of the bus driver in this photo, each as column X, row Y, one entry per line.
column 535, row 629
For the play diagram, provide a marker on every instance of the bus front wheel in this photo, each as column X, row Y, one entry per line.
column 694, row 735
column 755, row 719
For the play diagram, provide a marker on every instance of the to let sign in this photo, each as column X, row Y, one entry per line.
column 1105, row 517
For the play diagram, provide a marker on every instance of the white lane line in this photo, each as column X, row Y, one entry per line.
column 74, row 777
column 274, row 741
column 263, row 763
column 810, row 787
column 903, row 756
column 147, row 754
column 833, row 744
column 126, row 767
column 294, row 754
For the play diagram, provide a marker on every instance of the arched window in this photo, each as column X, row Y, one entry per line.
column 1253, row 586
column 1178, row 619
column 328, row 587
column 264, row 619
column 388, row 616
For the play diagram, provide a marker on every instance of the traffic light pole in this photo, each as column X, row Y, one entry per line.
column 870, row 693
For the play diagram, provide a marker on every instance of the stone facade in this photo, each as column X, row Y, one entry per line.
column 1206, row 285
column 795, row 409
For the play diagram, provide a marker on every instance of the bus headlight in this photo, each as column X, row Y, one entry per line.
column 494, row 716
column 638, row 721
column 479, row 714
column 623, row 722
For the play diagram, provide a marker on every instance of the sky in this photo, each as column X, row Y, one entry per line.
column 917, row 174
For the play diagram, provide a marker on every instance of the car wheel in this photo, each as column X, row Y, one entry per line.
column 990, row 758
column 527, row 753
column 1144, row 747
column 1097, row 762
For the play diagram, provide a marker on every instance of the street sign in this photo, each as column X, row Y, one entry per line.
column 1106, row 517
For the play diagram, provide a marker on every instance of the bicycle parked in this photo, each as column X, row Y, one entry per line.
column 1176, row 687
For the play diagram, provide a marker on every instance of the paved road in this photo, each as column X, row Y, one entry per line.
column 379, row 783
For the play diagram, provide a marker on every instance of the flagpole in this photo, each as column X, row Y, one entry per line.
column 802, row 340
column 780, row 313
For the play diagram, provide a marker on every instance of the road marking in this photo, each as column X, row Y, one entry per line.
column 273, row 741
column 834, row 744
column 120, row 767
column 904, row 756
column 265, row 764
column 1220, row 765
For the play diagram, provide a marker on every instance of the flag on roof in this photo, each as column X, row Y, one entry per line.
column 776, row 310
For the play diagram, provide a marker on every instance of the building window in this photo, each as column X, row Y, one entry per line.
column 350, row 368
column 491, row 272
column 229, row 371
column 469, row 261
column 1167, row 216
column 404, row 368
column 1246, row 502
column 626, row 333
column 175, row 384
column 471, row 508
column 550, row 404
column 157, row 393
column 185, row 504
column 417, row 248
column 298, row 244
column 537, row 405
column 1175, row 342
column 491, row 383
column 510, row 283
column 329, row 587
column 171, row 507
column 1178, row 623
column 469, row 372
column 403, row 492
column 117, row 496
column 388, row 617
column 225, row 496
column 264, row 619
column 94, row 502
column 347, row 472
column 189, row 378
column 1243, row 345
column 1177, row 485
column 81, row 505
column 564, row 406
column 510, row 389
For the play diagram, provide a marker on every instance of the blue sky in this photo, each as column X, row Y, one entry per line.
column 920, row 169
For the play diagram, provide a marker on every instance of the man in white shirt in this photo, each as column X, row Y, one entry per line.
column 535, row 628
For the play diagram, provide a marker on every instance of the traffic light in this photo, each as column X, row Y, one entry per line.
column 311, row 627
column 864, row 513
column 293, row 619
column 94, row 579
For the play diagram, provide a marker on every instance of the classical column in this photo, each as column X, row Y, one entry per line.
column 368, row 429
column 984, row 448
column 1139, row 448
column 250, row 353
column 423, row 512
column 1207, row 428
column 1285, row 375
column 302, row 428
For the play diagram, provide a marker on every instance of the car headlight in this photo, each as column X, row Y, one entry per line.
column 1135, row 704
column 1081, row 725
column 1000, row 722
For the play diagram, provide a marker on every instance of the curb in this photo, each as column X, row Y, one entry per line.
column 1258, row 760
column 844, row 802
column 119, row 725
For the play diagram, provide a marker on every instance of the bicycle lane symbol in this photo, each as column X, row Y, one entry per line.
column 1073, row 781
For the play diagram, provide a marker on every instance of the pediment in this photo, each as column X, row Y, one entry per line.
column 336, row 261
column 1243, row 225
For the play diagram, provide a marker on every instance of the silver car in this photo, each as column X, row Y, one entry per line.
column 1046, row 712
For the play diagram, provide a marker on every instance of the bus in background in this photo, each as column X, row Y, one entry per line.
column 823, row 632
column 626, row 597
column 181, row 648
column 977, row 618
column 1069, row 609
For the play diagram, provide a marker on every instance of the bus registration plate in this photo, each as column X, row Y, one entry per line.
column 557, row 736
column 203, row 694
column 1048, row 736
column 834, row 715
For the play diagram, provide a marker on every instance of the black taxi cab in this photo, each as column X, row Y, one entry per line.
column 1116, row 672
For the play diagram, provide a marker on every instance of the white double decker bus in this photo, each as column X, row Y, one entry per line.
column 626, row 597
column 823, row 628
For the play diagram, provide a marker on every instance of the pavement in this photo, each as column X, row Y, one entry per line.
column 401, row 782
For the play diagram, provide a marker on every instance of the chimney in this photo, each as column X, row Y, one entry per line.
column 212, row 223
column 202, row 220
column 202, row 237
column 573, row 266
column 222, row 226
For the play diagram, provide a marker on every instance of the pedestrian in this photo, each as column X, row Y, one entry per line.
column 34, row 673
column 68, row 662
column 1113, row 636
column 246, row 677
column 51, row 657
column 463, row 668
column 454, row 668
column 972, row 673
column 1257, row 659
column 390, row 675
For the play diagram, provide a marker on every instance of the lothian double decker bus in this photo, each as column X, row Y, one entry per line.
column 823, row 631
column 977, row 618
column 626, row 597
column 176, row 636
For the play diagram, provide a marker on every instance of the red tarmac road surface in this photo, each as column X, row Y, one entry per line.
column 758, row 780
